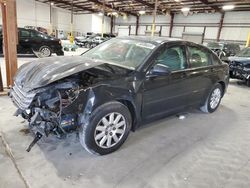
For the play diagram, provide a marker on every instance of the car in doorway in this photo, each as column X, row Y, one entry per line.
column 31, row 41
column 224, row 49
column 239, row 66
column 117, row 87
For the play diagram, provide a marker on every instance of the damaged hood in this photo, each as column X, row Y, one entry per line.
column 44, row 71
column 240, row 59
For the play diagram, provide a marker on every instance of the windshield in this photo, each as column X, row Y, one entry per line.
column 122, row 52
column 244, row 53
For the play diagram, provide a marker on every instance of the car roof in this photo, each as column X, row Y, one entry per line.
column 155, row 40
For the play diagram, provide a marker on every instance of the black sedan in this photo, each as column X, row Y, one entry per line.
column 117, row 87
column 34, row 42
column 240, row 65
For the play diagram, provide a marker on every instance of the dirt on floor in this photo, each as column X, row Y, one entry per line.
column 201, row 150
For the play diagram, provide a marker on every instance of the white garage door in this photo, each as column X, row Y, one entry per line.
column 123, row 31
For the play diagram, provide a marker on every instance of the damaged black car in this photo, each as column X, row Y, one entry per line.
column 116, row 87
column 240, row 66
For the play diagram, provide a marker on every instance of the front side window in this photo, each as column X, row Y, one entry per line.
column 198, row 57
column 173, row 57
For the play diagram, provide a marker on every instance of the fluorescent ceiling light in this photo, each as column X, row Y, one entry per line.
column 228, row 7
column 185, row 9
column 177, row 0
column 142, row 12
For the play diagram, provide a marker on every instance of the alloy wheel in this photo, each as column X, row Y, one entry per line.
column 110, row 130
column 215, row 98
column 45, row 51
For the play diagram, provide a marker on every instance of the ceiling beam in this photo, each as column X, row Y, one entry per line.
column 113, row 8
column 69, row 4
column 216, row 8
column 148, row 5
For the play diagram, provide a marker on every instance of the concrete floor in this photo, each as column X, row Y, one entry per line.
column 202, row 150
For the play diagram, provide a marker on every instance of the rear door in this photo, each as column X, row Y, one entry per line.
column 200, row 72
column 24, row 41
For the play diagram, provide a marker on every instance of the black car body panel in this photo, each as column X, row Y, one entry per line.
column 63, row 92
column 30, row 41
column 42, row 72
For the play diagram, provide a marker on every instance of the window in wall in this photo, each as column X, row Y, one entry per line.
column 198, row 57
column 173, row 57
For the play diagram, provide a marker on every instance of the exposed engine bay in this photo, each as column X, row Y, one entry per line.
column 48, row 109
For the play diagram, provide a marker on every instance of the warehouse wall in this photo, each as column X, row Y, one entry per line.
column 236, row 25
column 32, row 13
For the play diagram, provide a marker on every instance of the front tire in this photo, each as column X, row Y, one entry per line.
column 213, row 100
column 44, row 51
column 108, row 128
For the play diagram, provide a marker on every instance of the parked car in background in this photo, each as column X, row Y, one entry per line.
column 80, row 41
column 240, row 66
column 89, row 40
column 97, row 39
column 224, row 49
column 34, row 42
column 117, row 87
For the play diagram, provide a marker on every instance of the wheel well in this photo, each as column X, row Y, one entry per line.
column 131, row 108
column 223, row 86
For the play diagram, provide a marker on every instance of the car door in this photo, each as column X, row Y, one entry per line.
column 200, row 72
column 169, row 93
column 24, row 41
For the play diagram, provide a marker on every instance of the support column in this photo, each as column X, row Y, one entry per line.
column 171, row 24
column 220, row 26
column 204, row 33
column 103, row 14
column 154, row 16
column 137, row 25
column 10, row 39
column 50, row 18
column 111, row 24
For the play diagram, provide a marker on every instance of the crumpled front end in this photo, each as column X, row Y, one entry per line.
column 49, row 110
column 239, row 70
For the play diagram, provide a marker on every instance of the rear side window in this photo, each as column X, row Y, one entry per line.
column 24, row 33
column 198, row 57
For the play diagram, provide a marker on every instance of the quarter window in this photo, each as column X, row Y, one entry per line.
column 198, row 57
column 173, row 57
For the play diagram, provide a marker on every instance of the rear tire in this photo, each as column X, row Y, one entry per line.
column 213, row 100
column 108, row 128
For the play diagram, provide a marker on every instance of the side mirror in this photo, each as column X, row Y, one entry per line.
column 159, row 70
